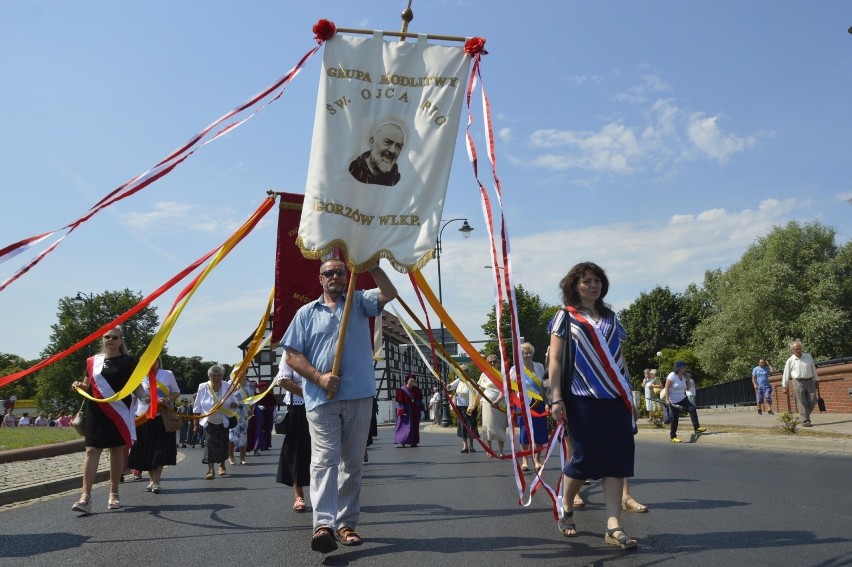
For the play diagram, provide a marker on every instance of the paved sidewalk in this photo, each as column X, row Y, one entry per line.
column 34, row 475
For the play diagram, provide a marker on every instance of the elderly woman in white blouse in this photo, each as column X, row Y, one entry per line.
column 215, row 424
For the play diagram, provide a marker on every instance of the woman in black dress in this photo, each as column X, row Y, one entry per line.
column 294, row 462
column 108, row 425
column 155, row 447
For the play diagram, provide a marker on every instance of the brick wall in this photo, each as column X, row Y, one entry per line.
column 835, row 383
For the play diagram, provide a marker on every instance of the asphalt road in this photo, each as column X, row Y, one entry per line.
column 709, row 505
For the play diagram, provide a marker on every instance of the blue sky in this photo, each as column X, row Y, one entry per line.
column 658, row 139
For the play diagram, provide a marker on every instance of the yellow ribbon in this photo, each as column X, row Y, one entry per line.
column 155, row 347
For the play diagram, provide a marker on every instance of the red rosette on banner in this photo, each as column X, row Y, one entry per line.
column 324, row 30
column 474, row 47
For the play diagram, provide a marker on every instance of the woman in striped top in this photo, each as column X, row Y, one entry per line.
column 595, row 402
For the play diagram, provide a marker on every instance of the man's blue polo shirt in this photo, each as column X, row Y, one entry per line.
column 314, row 332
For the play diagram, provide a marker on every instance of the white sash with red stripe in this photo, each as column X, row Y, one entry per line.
column 116, row 411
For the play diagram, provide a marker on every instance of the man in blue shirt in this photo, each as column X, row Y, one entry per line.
column 338, row 426
column 760, row 379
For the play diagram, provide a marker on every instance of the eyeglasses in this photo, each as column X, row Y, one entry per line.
column 111, row 337
column 330, row 273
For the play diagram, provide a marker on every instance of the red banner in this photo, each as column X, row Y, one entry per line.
column 296, row 278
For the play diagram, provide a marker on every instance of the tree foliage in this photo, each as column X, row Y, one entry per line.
column 792, row 283
column 76, row 319
column 189, row 371
column 533, row 318
column 656, row 320
column 25, row 388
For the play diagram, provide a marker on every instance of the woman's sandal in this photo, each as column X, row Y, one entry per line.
column 348, row 536
column 624, row 542
column 579, row 502
column 630, row 505
column 83, row 505
column 113, row 502
column 566, row 524
column 323, row 540
column 299, row 504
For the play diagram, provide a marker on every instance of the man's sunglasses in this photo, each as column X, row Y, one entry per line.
column 330, row 273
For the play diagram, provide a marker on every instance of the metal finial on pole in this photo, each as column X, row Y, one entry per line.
column 407, row 15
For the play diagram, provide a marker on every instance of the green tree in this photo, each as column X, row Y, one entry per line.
column 533, row 318
column 189, row 371
column 654, row 321
column 75, row 320
column 23, row 389
column 792, row 283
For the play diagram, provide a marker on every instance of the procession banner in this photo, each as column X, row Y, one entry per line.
column 296, row 277
column 385, row 131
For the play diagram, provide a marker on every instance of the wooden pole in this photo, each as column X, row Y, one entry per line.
column 404, row 35
column 344, row 322
column 407, row 15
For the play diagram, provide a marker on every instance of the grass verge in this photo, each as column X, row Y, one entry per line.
column 23, row 437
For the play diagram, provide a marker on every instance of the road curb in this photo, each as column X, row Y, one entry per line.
column 43, row 489
column 42, row 451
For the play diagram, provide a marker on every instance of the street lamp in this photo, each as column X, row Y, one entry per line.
column 90, row 302
column 466, row 229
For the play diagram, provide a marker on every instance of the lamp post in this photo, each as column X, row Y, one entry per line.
column 466, row 229
column 90, row 302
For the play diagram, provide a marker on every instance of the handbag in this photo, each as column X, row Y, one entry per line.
column 78, row 423
column 171, row 421
column 820, row 401
column 667, row 414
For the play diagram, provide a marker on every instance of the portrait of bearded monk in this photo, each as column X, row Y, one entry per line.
column 377, row 165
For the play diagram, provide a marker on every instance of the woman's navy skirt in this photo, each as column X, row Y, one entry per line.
column 601, row 433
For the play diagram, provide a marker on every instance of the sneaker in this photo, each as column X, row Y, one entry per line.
column 759, row 412
column 137, row 477
column 84, row 505
column 770, row 412
column 700, row 429
column 150, row 487
column 675, row 440
column 807, row 424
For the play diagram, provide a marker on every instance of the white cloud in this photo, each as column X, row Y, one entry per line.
column 609, row 149
column 650, row 85
column 655, row 138
column 504, row 135
column 637, row 256
column 164, row 216
column 583, row 79
column 708, row 138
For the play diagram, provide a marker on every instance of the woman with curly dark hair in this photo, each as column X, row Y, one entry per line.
column 591, row 394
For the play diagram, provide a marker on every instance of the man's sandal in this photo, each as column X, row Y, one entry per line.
column 566, row 524
column 323, row 540
column 348, row 536
column 629, row 504
column 624, row 541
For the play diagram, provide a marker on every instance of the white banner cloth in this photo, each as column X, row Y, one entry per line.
column 385, row 131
